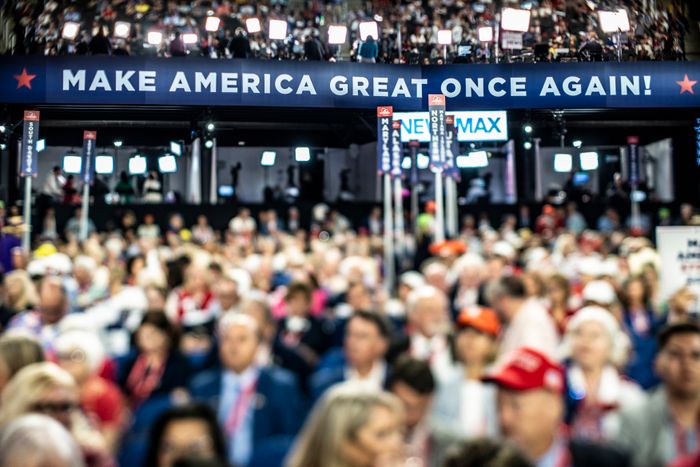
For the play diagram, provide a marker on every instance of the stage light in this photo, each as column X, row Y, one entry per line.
column 122, row 29
column 268, row 158
column 212, row 24
column 190, row 38
column 241, row 143
column 3, row 128
column 588, row 160
column 154, row 37
column 444, row 37
column 3, row 146
column 226, row 191
column 104, row 164
column 406, row 163
column 209, row 144
column 118, row 143
column 527, row 128
column 211, row 127
column 72, row 163
column 527, row 145
column 614, row 21
column 577, row 143
column 302, row 154
column 176, row 148
column 277, row 29
column 515, row 19
column 562, row 163
column 41, row 145
column 486, row 34
column 473, row 160
column 70, row 30
column 422, row 161
column 369, row 28
column 337, row 34
column 252, row 25
column 378, row 18
column 167, row 164
column 137, row 165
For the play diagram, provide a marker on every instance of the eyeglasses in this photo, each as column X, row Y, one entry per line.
column 200, row 446
column 76, row 356
column 47, row 408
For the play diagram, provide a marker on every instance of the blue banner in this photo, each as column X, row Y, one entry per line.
column 396, row 148
column 272, row 83
column 436, row 111
column 452, row 148
column 384, row 117
column 633, row 160
column 88, row 165
column 30, row 135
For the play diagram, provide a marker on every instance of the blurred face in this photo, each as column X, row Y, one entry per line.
column 473, row 347
column 430, row 316
column 470, row 278
column 437, row 277
column 529, row 418
column 635, row 291
column 363, row 343
column 58, row 403
column 591, row 346
column 186, row 437
column 415, row 404
column 4, row 375
column 83, row 276
column 149, row 339
column 377, row 442
column 155, row 299
column 74, row 362
column 556, row 294
column 679, row 366
column 358, row 298
column 238, row 347
column 298, row 305
column 227, row 294
column 52, row 302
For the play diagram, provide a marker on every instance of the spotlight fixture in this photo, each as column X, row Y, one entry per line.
column 72, row 163
column 3, row 128
column 577, row 143
column 118, row 143
column 167, row 164
column 70, row 30
column 104, row 164
column 588, row 160
column 209, row 144
column 154, row 37
column 41, row 145
column 337, row 34
column 369, row 28
column 527, row 128
column 268, row 158
column 515, row 19
column 211, row 127
column 137, row 165
column 190, row 38
column 485, row 34
column 212, row 24
column 444, row 37
column 277, row 29
column 562, row 162
column 122, row 29
column 252, row 25
column 302, row 154
column 527, row 145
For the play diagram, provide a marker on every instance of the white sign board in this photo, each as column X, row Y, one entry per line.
column 490, row 125
column 512, row 40
column 679, row 248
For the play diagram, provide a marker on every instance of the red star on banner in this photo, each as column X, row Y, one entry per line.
column 24, row 79
column 686, row 85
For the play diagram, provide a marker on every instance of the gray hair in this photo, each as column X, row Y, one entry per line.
column 84, row 341
column 423, row 292
column 239, row 319
column 38, row 440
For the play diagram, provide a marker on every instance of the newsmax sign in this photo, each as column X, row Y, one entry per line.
column 490, row 125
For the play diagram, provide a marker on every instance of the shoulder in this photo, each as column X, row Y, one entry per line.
column 586, row 453
column 205, row 380
column 278, row 376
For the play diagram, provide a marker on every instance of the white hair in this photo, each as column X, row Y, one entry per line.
column 619, row 342
column 467, row 261
column 426, row 291
column 85, row 341
column 38, row 440
column 84, row 262
column 238, row 319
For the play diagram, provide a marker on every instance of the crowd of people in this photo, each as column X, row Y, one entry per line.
column 407, row 30
column 278, row 343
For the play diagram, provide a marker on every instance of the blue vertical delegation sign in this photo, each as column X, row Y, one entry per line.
column 633, row 159
column 384, row 116
column 436, row 110
column 89, row 141
column 30, row 135
column 396, row 148
column 452, row 147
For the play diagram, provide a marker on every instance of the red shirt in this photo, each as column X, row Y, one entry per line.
column 102, row 402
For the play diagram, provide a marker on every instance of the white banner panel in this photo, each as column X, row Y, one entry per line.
column 679, row 248
column 491, row 125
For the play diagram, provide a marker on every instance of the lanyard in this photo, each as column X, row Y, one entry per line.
column 239, row 409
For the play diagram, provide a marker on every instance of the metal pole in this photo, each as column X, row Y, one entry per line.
column 84, row 212
column 27, row 233
column 398, row 219
column 398, row 42
column 439, row 209
column 619, row 46
column 450, row 207
column 497, row 38
column 388, row 237
column 444, row 54
column 414, row 190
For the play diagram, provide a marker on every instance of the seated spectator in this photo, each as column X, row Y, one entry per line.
column 531, row 414
column 81, row 354
column 202, row 233
column 16, row 352
column 351, row 426
column 189, row 430
column 527, row 323
column 366, row 342
column 665, row 427
column 43, row 323
column 38, row 440
column 596, row 347
column 558, row 296
column 465, row 406
column 485, row 452
column 258, row 406
column 19, row 294
column 155, row 366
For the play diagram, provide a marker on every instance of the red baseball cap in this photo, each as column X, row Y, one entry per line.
column 528, row 369
column 480, row 318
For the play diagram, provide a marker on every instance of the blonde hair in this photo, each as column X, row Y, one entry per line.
column 29, row 385
column 38, row 440
column 18, row 350
column 28, row 295
column 337, row 417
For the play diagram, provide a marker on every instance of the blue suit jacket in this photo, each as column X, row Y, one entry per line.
column 277, row 416
column 334, row 373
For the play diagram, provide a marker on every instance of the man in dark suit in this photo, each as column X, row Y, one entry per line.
column 365, row 345
column 259, row 408
column 531, row 411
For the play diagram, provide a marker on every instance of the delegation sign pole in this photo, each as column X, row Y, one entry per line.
column 450, row 185
column 436, row 109
column 384, row 118
column 89, row 140
column 396, row 158
column 28, row 170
